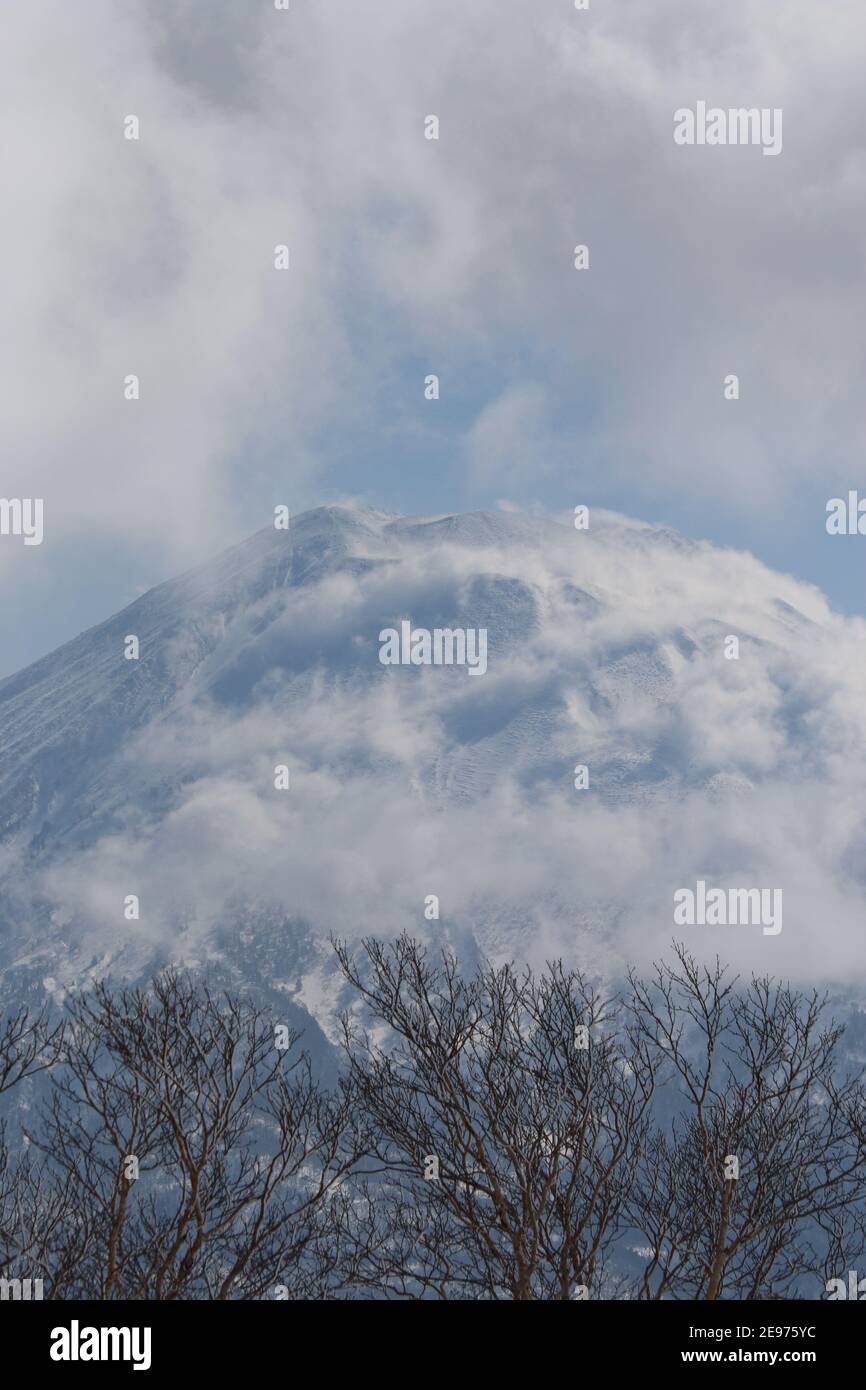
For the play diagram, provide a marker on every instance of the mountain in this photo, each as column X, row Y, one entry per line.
column 607, row 648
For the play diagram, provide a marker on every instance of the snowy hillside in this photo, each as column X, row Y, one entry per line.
column 606, row 648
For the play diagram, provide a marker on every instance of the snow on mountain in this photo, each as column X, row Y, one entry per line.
column 606, row 648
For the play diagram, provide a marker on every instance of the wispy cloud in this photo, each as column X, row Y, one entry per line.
column 606, row 648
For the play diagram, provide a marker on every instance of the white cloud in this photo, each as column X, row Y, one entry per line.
column 306, row 127
column 605, row 648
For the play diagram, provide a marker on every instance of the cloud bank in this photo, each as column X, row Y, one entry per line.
column 606, row 650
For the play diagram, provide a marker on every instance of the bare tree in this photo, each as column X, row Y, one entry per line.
column 508, row 1120
column 761, row 1159
column 492, row 1137
column 30, row 1043
column 200, row 1156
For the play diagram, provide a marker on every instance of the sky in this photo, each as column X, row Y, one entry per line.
column 305, row 127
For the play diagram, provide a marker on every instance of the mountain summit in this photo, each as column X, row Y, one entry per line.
column 255, row 778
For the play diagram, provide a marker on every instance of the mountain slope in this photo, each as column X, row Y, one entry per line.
column 606, row 648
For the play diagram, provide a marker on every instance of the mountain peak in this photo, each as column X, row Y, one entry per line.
column 156, row 775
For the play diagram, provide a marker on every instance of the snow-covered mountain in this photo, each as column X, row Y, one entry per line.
column 607, row 648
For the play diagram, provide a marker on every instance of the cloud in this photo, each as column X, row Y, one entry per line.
column 606, row 648
column 508, row 438
column 260, row 127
